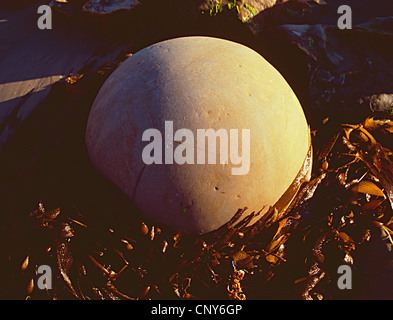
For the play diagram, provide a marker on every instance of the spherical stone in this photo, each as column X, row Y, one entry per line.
column 196, row 83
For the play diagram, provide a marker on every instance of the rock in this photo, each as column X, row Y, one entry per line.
column 348, row 71
column 109, row 6
column 33, row 60
column 381, row 102
column 244, row 9
column 67, row 8
column 251, row 8
column 259, row 16
column 113, row 17
column 196, row 83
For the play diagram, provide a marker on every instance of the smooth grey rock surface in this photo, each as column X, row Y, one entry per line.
column 32, row 60
column 198, row 83
column 104, row 7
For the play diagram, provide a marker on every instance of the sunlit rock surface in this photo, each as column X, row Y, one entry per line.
column 198, row 83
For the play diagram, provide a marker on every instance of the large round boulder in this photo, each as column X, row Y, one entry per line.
column 194, row 128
